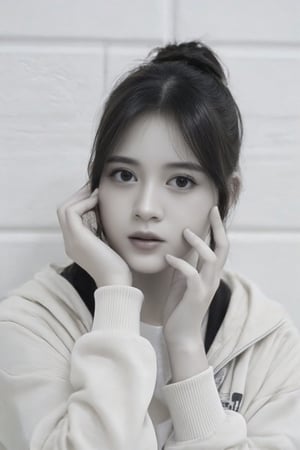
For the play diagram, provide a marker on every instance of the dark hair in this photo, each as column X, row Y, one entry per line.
column 184, row 82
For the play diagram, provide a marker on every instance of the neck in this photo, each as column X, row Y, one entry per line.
column 155, row 288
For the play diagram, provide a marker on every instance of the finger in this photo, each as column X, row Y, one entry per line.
column 191, row 257
column 220, row 237
column 82, row 193
column 181, row 265
column 211, row 272
column 193, row 278
column 82, row 205
column 206, row 256
column 75, row 211
column 201, row 247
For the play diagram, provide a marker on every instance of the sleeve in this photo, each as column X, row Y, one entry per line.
column 97, row 399
column 270, row 422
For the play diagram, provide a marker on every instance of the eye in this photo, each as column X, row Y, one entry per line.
column 183, row 178
column 122, row 171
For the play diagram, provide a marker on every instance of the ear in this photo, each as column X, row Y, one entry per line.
column 235, row 185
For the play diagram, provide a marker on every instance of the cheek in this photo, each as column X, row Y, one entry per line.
column 110, row 213
column 195, row 217
column 106, row 213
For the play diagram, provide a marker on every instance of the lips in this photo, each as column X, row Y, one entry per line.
column 143, row 239
column 145, row 236
column 145, row 244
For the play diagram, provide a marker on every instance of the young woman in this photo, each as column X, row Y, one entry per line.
column 145, row 341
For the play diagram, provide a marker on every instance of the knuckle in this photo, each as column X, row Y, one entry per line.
column 68, row 215
column 60, row 211
column 226, row 249
column 194, row 275
column 226, row 243
column 214, row 259
column 193, row 279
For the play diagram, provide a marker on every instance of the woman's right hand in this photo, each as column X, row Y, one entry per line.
column 102, row 263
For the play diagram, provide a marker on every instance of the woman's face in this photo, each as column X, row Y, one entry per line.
column 150, row 196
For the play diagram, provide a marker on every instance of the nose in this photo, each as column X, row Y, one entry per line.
column 147, row 204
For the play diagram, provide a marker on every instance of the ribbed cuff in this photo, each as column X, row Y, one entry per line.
column 118, row 307
column 195, row 406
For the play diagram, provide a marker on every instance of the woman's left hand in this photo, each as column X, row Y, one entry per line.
column 198, row 284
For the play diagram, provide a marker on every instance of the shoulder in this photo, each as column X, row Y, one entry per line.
column 251, row 293
column 46, row 306
column 266, row 322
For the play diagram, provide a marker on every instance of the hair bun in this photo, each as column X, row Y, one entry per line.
column 194, row 53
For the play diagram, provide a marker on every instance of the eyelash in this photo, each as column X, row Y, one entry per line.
column 178, row 176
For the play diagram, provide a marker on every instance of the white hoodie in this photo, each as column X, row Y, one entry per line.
column 71, row 382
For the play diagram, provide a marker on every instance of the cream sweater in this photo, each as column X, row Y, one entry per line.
column 71, row 382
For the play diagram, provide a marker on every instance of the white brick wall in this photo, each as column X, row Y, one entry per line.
column 58, row 59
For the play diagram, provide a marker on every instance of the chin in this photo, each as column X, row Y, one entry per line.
column 142, row 265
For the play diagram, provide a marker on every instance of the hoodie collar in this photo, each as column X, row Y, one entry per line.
column 46, row 286
column 250, row 316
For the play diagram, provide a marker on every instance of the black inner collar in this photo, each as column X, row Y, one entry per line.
column 85, row 286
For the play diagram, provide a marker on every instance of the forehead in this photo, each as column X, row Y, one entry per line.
column 154, row 138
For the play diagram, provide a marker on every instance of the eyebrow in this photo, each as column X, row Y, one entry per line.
column 171, row 165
